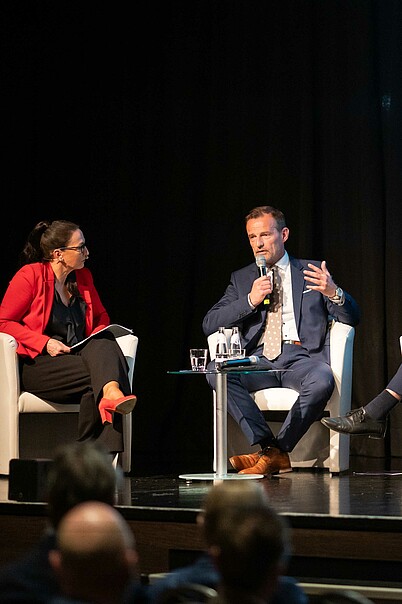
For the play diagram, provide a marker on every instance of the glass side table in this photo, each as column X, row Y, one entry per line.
column 220, row 425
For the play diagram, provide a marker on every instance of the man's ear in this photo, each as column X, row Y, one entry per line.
column 55, row 561
column 132, row 559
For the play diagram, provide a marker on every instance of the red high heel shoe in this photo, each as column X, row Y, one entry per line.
column 123, row 405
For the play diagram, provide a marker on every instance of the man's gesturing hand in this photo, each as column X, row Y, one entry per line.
column 320, row 279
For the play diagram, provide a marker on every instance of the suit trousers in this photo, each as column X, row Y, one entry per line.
column 311, row 378
column 80, row 376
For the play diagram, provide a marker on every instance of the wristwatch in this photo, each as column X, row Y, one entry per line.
column 338, row 295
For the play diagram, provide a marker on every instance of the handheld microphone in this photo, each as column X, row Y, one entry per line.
column 245, row 362
column 262, row 267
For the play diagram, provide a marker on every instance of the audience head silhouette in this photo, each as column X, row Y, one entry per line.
column 247, row 539
column 95, row 557
column 81, row 471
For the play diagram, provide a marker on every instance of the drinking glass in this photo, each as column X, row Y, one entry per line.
column 198, row 358
column 235, row 350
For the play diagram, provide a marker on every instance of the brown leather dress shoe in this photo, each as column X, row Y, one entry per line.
column 241, row 462
column 271, row 461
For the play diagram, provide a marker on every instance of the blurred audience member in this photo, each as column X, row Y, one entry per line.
column 79, row 472
column 95, row 555
column 247, row 540
column 247, row 547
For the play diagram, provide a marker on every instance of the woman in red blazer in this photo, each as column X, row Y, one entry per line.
column 51, row 304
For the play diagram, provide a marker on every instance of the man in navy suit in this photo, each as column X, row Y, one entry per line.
column 309, row 299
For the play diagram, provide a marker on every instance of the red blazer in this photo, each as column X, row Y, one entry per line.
column 27, row 304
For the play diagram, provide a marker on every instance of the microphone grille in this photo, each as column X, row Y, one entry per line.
column 260, row 260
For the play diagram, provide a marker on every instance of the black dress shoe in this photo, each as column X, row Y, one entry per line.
column 357, row 422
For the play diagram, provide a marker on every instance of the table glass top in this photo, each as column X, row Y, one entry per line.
column 226, row 370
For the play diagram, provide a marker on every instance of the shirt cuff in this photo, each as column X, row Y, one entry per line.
column 250, row 303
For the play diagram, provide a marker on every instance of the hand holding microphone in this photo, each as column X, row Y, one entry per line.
column 262, row 288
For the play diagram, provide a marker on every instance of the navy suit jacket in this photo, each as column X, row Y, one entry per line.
column 30, row 579
column 313, row 311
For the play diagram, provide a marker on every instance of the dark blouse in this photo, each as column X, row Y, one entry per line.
column 67, row 323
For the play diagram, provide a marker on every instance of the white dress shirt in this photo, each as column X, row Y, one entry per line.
column 289, row 329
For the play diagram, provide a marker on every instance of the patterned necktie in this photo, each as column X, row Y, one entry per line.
column 273, row 327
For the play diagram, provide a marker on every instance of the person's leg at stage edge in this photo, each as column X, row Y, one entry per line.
column 372, row 419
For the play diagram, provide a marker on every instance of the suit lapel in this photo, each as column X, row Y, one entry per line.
column 48, row 293
column 298, row 283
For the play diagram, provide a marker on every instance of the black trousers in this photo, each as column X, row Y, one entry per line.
column 80, row 377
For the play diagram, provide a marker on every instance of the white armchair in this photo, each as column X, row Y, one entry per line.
column 319, row 447
column 31, row 427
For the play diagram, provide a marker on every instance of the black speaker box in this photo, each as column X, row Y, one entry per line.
column 27, row 479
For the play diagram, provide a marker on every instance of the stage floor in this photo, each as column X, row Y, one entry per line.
column 360, row 495
column 364, row 492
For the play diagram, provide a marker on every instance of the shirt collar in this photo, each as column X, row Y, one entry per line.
column 283, row 262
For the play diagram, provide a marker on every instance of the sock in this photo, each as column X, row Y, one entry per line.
column 381, row 405
column 268, row 442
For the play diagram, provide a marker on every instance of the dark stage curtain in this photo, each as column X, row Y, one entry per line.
column 158, row 126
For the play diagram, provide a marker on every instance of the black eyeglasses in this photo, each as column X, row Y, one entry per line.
column 79, row 248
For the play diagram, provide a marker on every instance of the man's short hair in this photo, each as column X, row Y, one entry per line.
column 249, row 534
column 261, row 210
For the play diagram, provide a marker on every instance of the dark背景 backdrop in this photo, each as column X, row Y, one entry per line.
column 158, row 126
